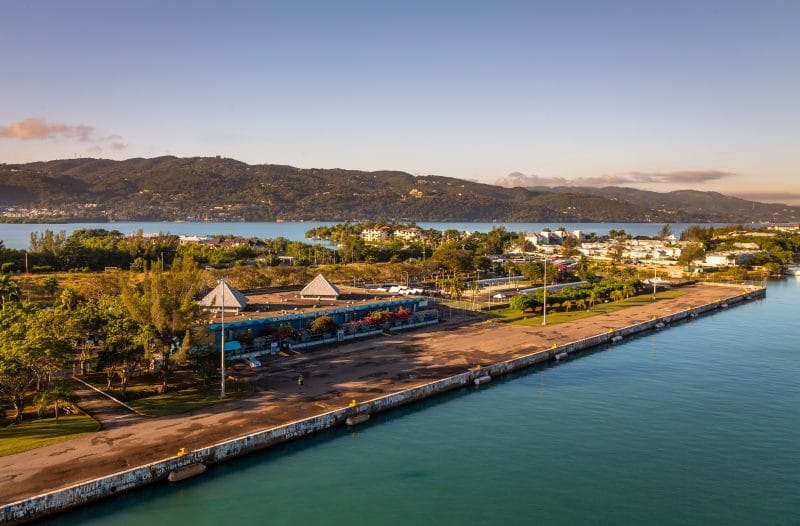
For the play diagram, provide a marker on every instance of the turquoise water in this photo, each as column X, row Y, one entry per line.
column 18, row 235
column 697, row 424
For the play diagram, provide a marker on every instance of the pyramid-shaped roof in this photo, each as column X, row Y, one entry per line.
column 320, row 287
column 233, row 299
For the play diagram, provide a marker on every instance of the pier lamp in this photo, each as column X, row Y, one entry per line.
column 654, row 280
column 220, row 302
column 544, row 293
column 222, row 342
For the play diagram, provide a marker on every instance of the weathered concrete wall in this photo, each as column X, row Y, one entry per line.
column 85, row 492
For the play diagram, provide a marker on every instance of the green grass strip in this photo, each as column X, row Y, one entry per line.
column 176, row 402
column 555, row 317
column 38, row 433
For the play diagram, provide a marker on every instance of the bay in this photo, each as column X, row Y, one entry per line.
column 697, row 424
column 17, row 235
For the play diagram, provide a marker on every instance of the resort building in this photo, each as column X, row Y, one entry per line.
column 376, row 235
column 407, row 234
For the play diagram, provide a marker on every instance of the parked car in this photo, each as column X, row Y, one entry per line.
column 252, row 362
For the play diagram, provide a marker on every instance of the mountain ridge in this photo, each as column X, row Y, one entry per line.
column 215, row 188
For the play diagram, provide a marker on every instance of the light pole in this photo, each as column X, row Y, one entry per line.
column 544, row 294
column 222, row 340
column 406, row 273
column 654, row 280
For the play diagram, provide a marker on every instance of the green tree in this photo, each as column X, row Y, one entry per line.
column 9, row 290
column 164, row 305
column 628, row 290
column 453, row 286
column 534, row 271
column 122, row 342
column 692, row 252
column 592, row 298
column 453, row 259
column 664, row 233
column 615, row 251
column 569, row 247
column 523, row 302
column 698, row 234
column 58, row 396
column 30, row 350
column 15, row 379
column 584, row 269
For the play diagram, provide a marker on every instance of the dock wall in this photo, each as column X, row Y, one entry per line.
column 85, row 492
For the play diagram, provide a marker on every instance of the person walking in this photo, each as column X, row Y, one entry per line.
column 300, row 380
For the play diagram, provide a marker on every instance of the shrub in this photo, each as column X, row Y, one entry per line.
column 324, row 324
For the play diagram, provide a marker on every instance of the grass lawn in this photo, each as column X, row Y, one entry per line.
column 508, row 315
column 143, row 385
column 38, row 433
column 176, row 402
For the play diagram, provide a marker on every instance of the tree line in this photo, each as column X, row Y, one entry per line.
column 147, row 325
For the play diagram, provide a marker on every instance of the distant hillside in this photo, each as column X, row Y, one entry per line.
column 171, row 188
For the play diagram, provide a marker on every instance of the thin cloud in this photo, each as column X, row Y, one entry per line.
column 686, row 177
column 33, row 129
column 39, row 129
column 788, row 197
column 519, row 179
column 681, row 177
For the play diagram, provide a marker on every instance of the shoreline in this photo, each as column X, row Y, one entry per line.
column 83, row 492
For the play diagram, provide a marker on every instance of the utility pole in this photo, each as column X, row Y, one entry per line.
column 654, row 280
column 544, row 294
column 222, row 346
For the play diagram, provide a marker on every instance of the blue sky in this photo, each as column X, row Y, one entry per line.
column 657, row 95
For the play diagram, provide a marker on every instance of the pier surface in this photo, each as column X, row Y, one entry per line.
column 334, row 376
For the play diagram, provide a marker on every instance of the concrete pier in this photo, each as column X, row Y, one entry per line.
column 125, row 480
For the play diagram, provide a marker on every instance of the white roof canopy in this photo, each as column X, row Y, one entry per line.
column 320, row 287
column 224, row 294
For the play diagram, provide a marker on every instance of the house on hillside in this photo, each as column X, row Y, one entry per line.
column 407, row 234
column 730, row 258
column 376, row 235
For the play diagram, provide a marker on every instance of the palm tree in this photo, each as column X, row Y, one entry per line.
column 58, row 396
column 567, row 305
column 594, row 296
column 454, row 287
column 580, row 304
column 628, row 290
column 616, row 295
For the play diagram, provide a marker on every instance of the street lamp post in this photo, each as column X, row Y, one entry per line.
column 654, row 280
column 544, row 294
column 222, row 340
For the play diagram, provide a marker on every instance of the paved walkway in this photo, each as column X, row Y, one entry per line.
column 109, row 413
column 334, row 376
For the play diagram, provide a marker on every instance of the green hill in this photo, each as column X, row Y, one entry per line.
column 172, row 188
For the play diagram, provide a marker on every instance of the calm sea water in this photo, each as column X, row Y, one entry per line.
column 18, row 235
column 697, row 424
